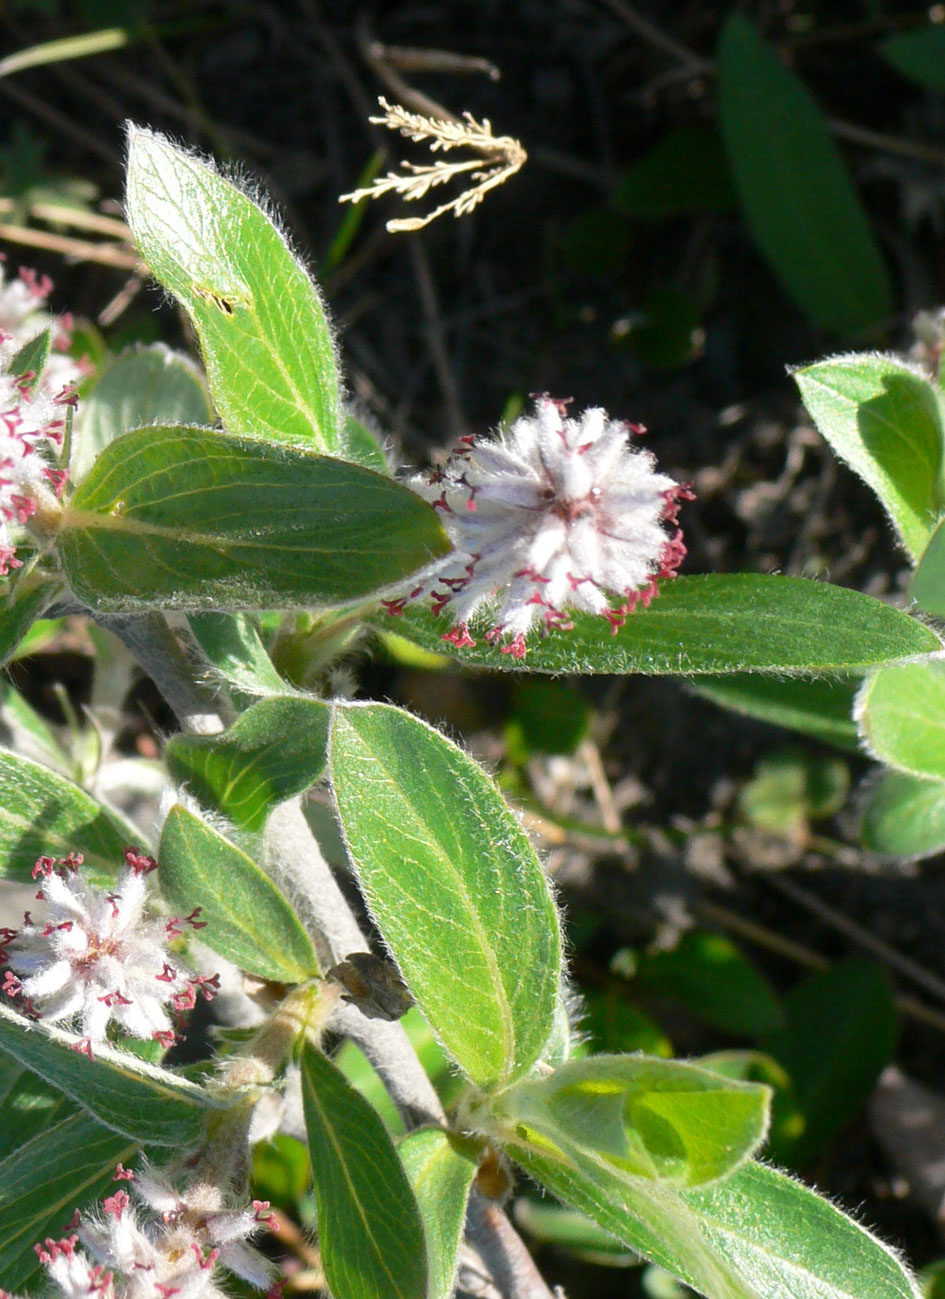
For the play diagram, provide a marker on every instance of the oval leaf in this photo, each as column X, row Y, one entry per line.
column 149, row 385
column 266, row 344
column 839, row 1032
column 918, row 55
column 370, row 1232
column 904, row 817
column 441, row 1174
column 125, row 1093
column 714, row 981
column 753, row 1234
column 42, row 1183
column 821, row 709
column 884, row 420
column 453, row 885
column 743, row 622
column 274, row 750
column 928, row 581
column 234, row 648
column 43, row 814
column 187, row 518
column 795, row 193
column 637, row 1117
column 247, row 919
column 24, row 604
column 901, row 715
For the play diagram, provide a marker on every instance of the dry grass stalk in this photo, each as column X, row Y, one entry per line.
column 499, row 158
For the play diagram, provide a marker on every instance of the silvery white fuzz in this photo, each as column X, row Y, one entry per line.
column 554, row 514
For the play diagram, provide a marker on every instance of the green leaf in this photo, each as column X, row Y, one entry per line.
column 744, row 622
column 546, row 717
column 274, row 750
column 685, row 171
column 612, row 1024
column 651, row 1218
column 65, row 1167
column 904, row 817
column 840, row 1030
column 918, row 54
column 566, row 1229
column 189, row 518
column 266, row 344
column 440, row 1173
column 787, row 1121
column 28, row 1104
column 370, row 1232
column 714, row 981
column 633, row 1117
column 928, row 581
column 19, row 611
column 453, row 885
column 796, row 195
column 361, row 445
column 753, row 1235
column 884, row 419
column 125, row 1093
column 901, row 715
column 149, row 385
column 790, row 788
column 232, row 643
column 43, row 814
column 818, row 708
column 31, row 357
column 25, row 730
column 247, row 919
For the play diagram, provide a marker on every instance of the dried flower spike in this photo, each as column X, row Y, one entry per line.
column 499, row 158
column 555, row 514
column 96, row 958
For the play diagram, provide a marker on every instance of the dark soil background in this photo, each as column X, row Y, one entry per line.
column 677, row 323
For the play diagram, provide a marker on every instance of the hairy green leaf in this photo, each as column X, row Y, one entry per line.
column 266, row 344
column 125, row 1093
column 885, row 420
column 904, row 816
column 743, row 622
column 275, row 749
column 453, row 885
column 901, row 716
column 247, row 919
column 63, row 1168
column 189, row 518
column 441, row 1173
column 818, row 708
column 19, row 611
column 43, row 814
column 149, row 385
column 796, row 195
column 928, row 580
column 632, row 1116
column 753, row 1235
column 370, row 1232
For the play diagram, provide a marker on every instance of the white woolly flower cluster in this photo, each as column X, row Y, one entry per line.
column 178, row 1246
column 97, row 958
column 555, row 514
column 32, row 406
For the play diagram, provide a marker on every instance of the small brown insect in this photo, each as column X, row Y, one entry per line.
column 373, row 985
